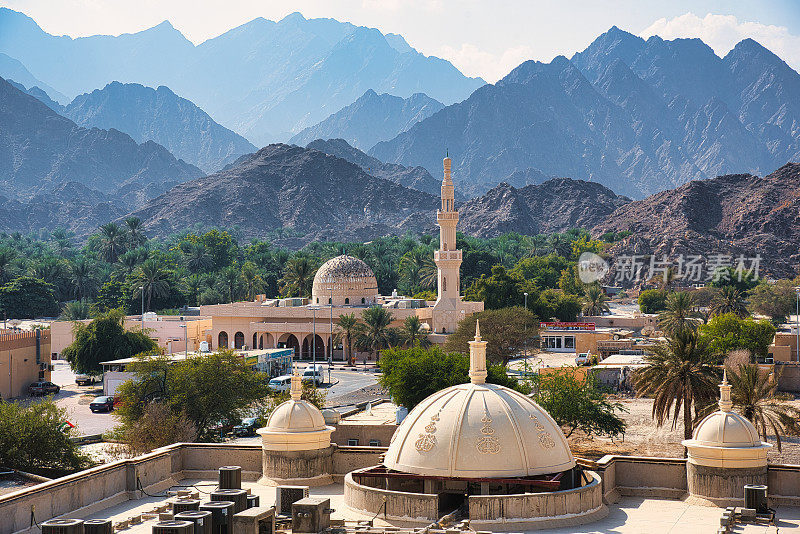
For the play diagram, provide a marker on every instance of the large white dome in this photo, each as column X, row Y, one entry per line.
column 345, row 279
column 479, row 430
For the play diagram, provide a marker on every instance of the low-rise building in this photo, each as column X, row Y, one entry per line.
column 24, row 359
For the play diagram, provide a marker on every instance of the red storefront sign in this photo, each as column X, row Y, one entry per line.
column 566, row 325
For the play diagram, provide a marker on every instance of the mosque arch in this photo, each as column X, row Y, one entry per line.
column 238, row 340
column 222, row 340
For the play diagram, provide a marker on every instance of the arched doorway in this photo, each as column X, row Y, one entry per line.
column 238, row 340
column 266, row 341
column 309, row 351
column 222, row 340
column 289, row 341
column 255, row 341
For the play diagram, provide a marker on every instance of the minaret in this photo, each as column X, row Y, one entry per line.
column 725, row 402
column 447, row 258
column 477, row 357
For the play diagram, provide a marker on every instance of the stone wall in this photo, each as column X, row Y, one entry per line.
column 640, row 476
column 722, row 486
column 393, row 505
column 363, row 433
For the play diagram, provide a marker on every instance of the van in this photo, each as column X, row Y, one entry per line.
column 281, row 383
column 313, row 373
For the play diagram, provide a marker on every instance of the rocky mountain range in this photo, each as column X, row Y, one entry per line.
column 40, row 150
column 737, row 214
column 413, row 177
column 370, row 119
column 555, row 205
column 11, row 69
column 265, row 80
column 639, row 116
column 295, row 193
column 159, row 115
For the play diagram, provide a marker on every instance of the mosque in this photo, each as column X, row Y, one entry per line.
column 345, row 285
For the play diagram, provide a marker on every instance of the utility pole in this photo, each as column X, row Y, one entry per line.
column 141, row 291
column 526, row 328
column 330, row 339
column 314, row 338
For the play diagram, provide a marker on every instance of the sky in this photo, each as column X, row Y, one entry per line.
column 484, row 38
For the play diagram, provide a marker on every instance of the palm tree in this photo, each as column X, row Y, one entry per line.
column 679, row 313
column 375, row 334
column 665, row 279
column 411, row 333
column 410, row 265
column 130, row 260
column 78, row 310
column 298, row 275
column 755, row 396
column 7, row 255
column 729, row 300
column 681, row 374
column 83, row 278
column 62, row 240
column 535, row 245
column 560, row 244
column 196, row 257
column 154, row 280
column 346, row 329
column 112, row 241
column 194, row 283
column 252, row 279
column 231, row 276
column 135, row 229
column 595, row 301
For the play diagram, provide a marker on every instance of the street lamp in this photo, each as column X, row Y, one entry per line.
column 314, row 337
column 141, row 291
column 330, row 339
column 797, row 323
column 526, row 327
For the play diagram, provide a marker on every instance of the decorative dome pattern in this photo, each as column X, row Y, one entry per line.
column 345, row 279
column 479, row 430
column 726, row 429
column 295, row 416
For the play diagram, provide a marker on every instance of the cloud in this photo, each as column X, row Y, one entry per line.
column 474, row 61
column 722, row 32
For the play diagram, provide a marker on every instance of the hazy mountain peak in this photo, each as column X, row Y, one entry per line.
column 397, row 42
column 293, row 18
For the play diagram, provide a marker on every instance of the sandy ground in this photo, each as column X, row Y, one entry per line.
column 643, row 438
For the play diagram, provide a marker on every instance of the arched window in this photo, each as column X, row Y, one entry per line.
column 329, row 300
column 347, row 300
column 222, row 340
column 238, row 340
column 363, row 300
column 444, row 283
column 317, row 300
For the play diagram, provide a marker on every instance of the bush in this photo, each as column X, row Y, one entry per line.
column 157, row 427
column 652, row 300
column 35, row 438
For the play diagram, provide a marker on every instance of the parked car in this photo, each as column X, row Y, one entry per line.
column 221, row 428
column 102, row 404
column 247, row 427
column 583, row 358
column 85, row 380
column 43, row 388
column 281, row 383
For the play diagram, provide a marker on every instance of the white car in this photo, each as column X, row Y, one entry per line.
column 281, row 383
column 313, row 373
column 582, row 358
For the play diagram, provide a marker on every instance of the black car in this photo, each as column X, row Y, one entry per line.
column 43, row 388
column 102, row 404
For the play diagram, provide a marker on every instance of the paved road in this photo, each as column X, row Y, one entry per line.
column 76, row 398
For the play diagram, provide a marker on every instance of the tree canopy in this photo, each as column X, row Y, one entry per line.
column 728, row 332
column 102, row 340
column 508, row 331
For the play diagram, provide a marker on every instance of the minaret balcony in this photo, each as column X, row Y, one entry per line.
column 447, row 215
column 446, row 255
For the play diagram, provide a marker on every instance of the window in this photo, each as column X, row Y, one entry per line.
column 317, row 300
column 347, row 301
column 374, row 443
column 569, row 342
column 329, row 300
column 352, row 442
column 444, row 283
column 363, row 300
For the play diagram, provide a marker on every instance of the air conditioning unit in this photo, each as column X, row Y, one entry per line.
column 62, row 526
column 286, row 496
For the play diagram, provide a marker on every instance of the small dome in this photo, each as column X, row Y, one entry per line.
column 295, row 425
column 348, row 280
column 726, row 429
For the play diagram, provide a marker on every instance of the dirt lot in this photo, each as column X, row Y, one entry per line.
column 644, row 438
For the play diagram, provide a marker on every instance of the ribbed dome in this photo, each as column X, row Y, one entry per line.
column 295, row 416
column 726, row 429
column 479, row 431
column 348, row 280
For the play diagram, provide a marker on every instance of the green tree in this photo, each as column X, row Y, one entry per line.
column 102, row 340
column 26, row 297
column 374, row 333
column 508, row 331
column 554, row 304
column 679, row 313
column 33, row 438
column 215, row 387
column 595, row 301
column 346, row 331
column 739, row 279
column 774, row 300
column 729, row 300
column 112, row 241
column 196, row 257
column 544, row 271
column 755, row 395
column 501, row 289
column 135, row 232
column 298, row 275
column 252, row 279
column 411, row 333
column 411, row 375
column 7, row 256
column 728, row 332
column 681, row 375
column 78, row 310
column 153, row 278
column 578, row 403
column 652, row 300
column 221, row 246
column 84, row 278
column 158, row 426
